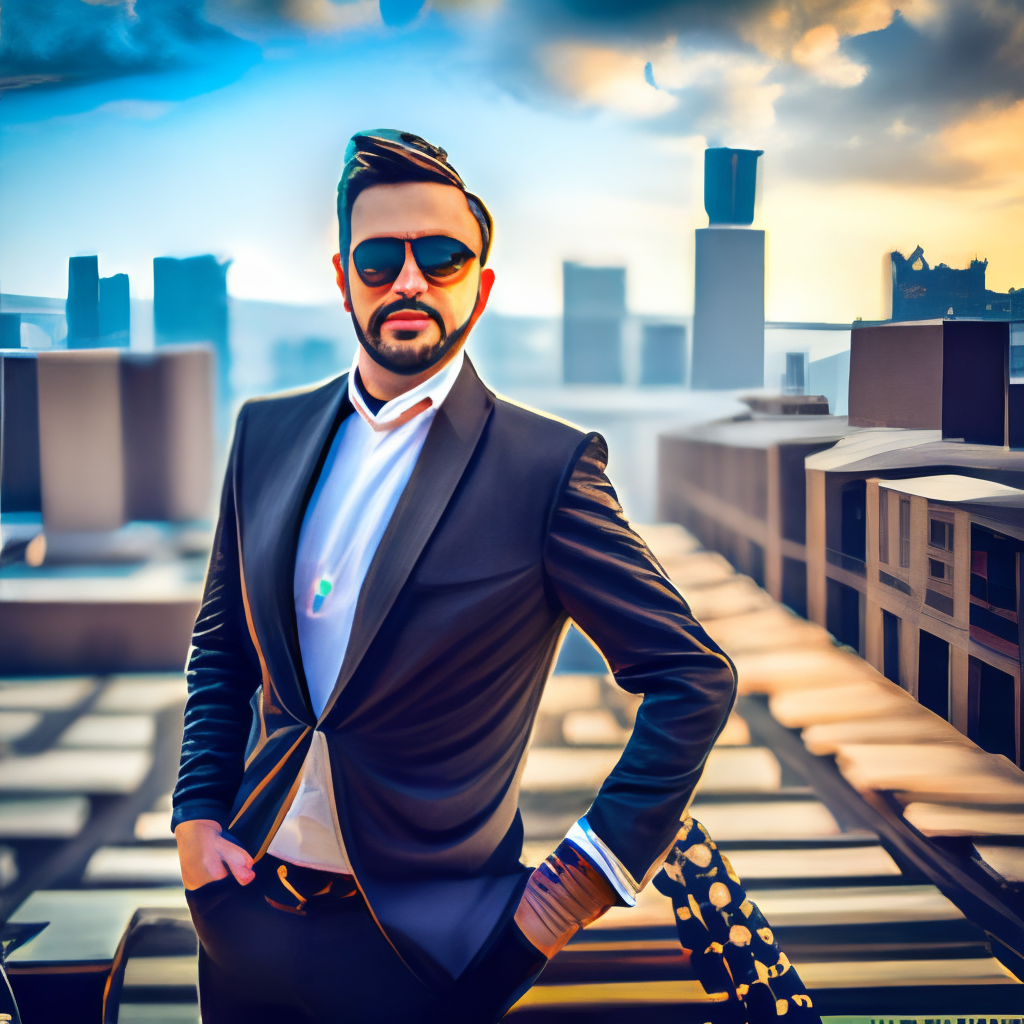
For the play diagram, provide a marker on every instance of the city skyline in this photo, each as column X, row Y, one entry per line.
column 585, row 134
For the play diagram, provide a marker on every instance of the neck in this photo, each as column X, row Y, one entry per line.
column 385, row 385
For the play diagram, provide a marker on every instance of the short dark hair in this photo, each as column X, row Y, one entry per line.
column 384, row 156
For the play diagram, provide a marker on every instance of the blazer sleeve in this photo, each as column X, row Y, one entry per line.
column 223, row 674
column 614, row 589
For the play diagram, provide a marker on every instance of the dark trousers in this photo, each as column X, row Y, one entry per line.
column 332, row 964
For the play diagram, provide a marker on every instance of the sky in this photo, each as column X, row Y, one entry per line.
column 136, row 128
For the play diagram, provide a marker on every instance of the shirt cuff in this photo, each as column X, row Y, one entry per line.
column 583, row 836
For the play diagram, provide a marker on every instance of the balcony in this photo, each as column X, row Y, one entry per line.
column 848, row 562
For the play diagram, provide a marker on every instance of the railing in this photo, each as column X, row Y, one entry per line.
column 893, row 581
column 847, row 562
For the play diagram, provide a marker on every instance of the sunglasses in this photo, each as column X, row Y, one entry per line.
column 379, row 261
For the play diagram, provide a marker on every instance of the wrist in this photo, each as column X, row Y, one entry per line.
column 564, row 894
column 198, row 825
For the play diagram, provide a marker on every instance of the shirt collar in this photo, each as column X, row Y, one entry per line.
column 435, row 387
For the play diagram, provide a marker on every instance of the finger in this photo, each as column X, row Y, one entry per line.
column 239, row 863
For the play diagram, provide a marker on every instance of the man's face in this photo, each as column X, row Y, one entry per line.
column 411, row 323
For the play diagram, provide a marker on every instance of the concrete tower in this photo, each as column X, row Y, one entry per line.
column 728, row 307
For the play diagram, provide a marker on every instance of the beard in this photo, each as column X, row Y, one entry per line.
column 399, row 356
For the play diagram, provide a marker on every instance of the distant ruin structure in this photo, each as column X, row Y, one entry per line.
column 922, row 292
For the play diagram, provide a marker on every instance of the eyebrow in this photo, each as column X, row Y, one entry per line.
column 409, row 236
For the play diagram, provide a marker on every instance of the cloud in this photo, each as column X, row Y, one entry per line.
column 818, row 51
column 832, row 89
column 66, row 41
column 605, row 77
column 991, row 141
column 265, row 20
column 953, row 65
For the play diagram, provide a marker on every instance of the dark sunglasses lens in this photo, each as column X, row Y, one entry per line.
column 440, row 256
column 379, row 261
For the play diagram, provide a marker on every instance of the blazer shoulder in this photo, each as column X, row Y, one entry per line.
column 533, row 425
column 283, row 409
column 284, row 403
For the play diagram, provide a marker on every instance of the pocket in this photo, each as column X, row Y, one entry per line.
column 501, row 976
column 211, row 895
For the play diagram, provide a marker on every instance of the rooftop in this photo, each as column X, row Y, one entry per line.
column 956, row 489
column 881, row 449
column 764, row 431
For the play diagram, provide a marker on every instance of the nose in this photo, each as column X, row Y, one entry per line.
column 410, row 283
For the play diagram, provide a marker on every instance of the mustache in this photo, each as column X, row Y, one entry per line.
column 379, row 315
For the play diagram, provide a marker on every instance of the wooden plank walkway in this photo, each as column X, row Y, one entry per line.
column 840, row 802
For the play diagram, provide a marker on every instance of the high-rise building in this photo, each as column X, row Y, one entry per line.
column 19, row 434
column 795, row 380
column 594, row 308
column 97, row 307
column 190, row 303
column 83, row 305
column 10, row 330
column 728, row 314
column 663, row 354
column 115, row 315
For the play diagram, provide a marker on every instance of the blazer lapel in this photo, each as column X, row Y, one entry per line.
column 274, row 534
column 450, row 444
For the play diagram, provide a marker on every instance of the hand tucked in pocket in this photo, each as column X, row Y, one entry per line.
column 563, row 895
column 206, row 855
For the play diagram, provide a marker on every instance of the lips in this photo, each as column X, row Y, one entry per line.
column 408, row 320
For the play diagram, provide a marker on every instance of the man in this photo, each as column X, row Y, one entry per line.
column 398, row 555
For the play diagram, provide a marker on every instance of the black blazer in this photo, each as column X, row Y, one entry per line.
column 507, row 529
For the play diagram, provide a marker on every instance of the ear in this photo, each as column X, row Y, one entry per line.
column 483, row 294
column 339, row 273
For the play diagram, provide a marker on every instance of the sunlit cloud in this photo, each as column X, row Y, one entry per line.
column 991, row 141
column 734, row 86
column 899, row 129
column 604, row 77
column 818, row 52
column 326, row 16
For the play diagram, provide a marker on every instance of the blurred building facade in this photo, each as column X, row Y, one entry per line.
column 933, row 400
column 593, row 315
column 106, row 474
column 663, row 355
column 190, row 304
column 942, row 611
column 738, row 484
column 98, row 308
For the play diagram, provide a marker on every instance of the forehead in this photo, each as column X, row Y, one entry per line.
column 413, row 209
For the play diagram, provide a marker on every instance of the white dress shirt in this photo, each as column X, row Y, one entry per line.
column 366, row 470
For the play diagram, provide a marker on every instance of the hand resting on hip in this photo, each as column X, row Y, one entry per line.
column 564, row 894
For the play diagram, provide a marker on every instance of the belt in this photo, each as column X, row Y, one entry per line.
column 298, row 890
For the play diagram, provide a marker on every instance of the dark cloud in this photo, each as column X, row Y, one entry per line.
column 920, row 77
column 919, row 81
column 640, row 21
column 70, row 41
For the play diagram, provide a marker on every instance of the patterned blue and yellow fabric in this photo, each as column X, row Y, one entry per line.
column 732, row 948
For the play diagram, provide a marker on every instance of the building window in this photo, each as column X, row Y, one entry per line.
column 994, row 568
column 940, row 534
column 883, row 525
column 905, row 532
column 939, row 570
column 891, row 646
column 933, row 674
